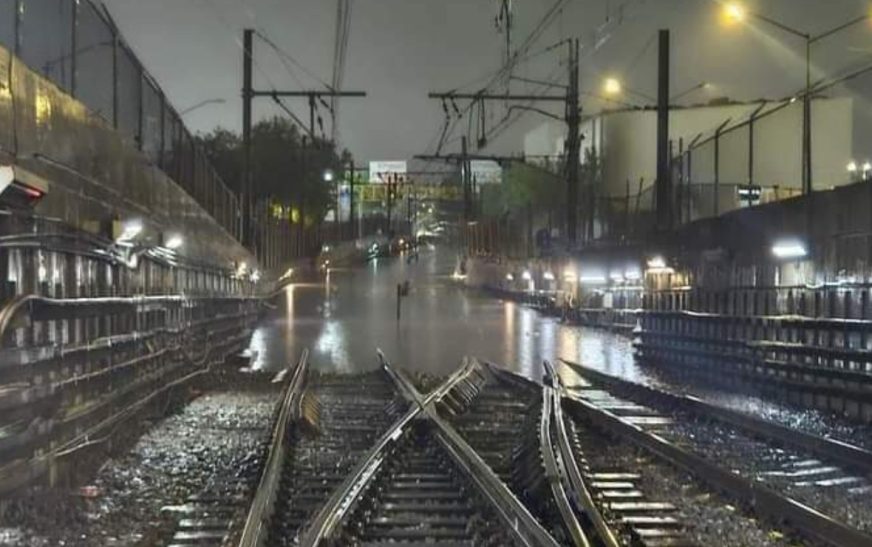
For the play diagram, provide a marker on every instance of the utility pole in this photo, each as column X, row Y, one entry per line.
column 663, row 186
column 573, row 145
column 247, row 235
column 505, row 97
column 351, row 203
column 464, row 179
column 248, row 95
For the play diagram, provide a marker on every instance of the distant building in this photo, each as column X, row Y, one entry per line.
column 625, row 140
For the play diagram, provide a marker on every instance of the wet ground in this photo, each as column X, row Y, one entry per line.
column 344, row 316
column 218, row 435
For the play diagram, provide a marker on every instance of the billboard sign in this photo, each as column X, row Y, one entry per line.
column 382, row 171
column 486, row 172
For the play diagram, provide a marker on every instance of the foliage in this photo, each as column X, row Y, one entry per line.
column 527, row 184
column 287, row 167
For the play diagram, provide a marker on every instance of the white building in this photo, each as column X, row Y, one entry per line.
column 626, row 142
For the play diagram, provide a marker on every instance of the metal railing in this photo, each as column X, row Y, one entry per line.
column 78, row 46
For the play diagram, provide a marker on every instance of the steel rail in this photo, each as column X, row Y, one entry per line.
column 842, row 453
column 554, row 472
column 764, row 501
column 565, row 457
column 331, row 514
column 579, row 489
column 518, row 519
column 254, row 532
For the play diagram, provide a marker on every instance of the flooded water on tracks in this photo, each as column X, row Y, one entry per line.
column 344, row 316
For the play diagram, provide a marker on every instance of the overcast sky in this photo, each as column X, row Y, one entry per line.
column 401, row 49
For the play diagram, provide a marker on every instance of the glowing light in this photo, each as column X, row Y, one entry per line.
column 617, row 277
column 526, row 276
column 457, row 276
column 734, row 12
column 43, row 107
column 174, row 242
column 633, row 274
column 255, row 276
column 592, row 280
column 657, row 262
column 570, row 276
column 612, row 86
column 287, row 274
column 328, row 175
column 789, row 249
column 131, row 229
column 852, row 167
column 510, row 277
column 548, row 276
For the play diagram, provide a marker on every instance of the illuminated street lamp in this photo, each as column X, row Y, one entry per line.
column 612, row 87
column 328, row 175
column 735, row 12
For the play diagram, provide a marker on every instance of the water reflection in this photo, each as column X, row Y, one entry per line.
column 350, row 313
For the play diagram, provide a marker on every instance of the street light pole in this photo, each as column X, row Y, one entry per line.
column 216, row 100
column 737, row 13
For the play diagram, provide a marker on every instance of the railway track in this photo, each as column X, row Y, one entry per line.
column 376, row 467
column 491, row 458
column 818, row 487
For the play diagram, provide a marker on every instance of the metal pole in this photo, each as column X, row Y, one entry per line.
column 247, row 189
column 806, row 143
column 312, row 116
column 464, row 180
column 680, row 188
column 751, row 152
column 663, row 185
column 573, row 148
column 717, row 170
column 351, row 204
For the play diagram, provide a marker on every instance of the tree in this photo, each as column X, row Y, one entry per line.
column 527, row 184
column 287, row 167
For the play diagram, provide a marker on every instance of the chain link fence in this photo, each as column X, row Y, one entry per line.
column 76, row 45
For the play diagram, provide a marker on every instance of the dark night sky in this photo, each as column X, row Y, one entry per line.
column 401, row 49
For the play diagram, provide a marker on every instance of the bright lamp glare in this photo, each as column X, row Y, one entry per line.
column 548, row 276
column 852, row 167
column 174, row 242
column 328, row 176
column 734, row 12
column 131, row 229
column 510, row 277
column 592, row 280
column 789, row 249
column 657, row 262
column 612, row 86
column 526, row 275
